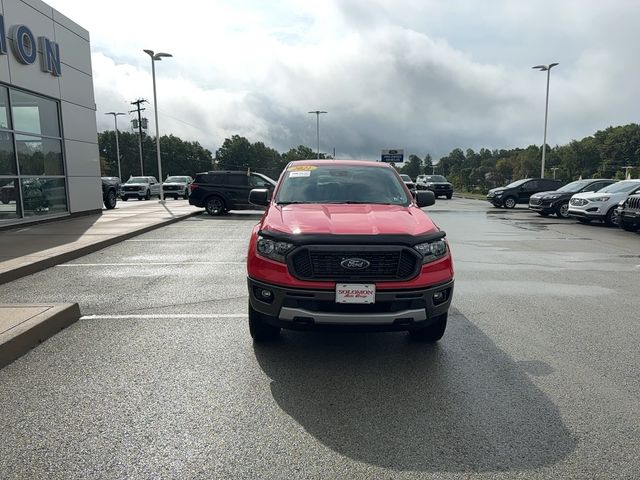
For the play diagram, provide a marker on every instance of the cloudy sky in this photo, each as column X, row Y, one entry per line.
column 423, row 75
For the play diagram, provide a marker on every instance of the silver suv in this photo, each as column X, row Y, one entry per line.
column 140, row 188
column 602, row 205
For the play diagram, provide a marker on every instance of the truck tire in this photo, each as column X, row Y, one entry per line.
column 260, row 330
column 148, row 195
column 629, row 227
column 111, row 200
column 433, row 332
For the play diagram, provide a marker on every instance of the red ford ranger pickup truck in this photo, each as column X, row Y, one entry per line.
column 344, row 244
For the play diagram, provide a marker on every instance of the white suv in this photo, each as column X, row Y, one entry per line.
column 601, row 205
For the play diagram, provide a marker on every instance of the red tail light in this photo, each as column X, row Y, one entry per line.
column 193, row 186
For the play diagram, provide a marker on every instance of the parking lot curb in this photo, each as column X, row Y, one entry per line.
column 27, row 326
column 44, row 263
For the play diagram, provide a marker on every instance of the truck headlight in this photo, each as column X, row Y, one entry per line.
column 432, row 251
column 273, row 249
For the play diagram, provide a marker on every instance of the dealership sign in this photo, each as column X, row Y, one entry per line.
column 392, row 156
column 25, row 48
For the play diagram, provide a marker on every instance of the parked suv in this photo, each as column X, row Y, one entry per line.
column 438, row 184
column 601, row 205
column 409, row 183
column 546, row 203
column 344, row 244
column 629, row 213
column 520, row 191
column 110, row 191
column 219, row 191
column 177, row 187
column 140, row 188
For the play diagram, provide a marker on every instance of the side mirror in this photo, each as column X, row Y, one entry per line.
column 259, row 196
column 425, row 198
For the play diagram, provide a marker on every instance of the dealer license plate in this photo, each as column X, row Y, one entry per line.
column 355, row 293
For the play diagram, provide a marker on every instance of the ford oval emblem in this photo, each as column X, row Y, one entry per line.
column 355, row 263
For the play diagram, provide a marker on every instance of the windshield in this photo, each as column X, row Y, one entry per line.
column 138, row 180
column 406, row 178
column 517, row 183
column 620, row 187
column 341, row 184
column 436, row 178
column 574, row 186
column 177, row 180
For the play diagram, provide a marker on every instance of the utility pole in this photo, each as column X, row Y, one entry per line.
column 627, row 176
column 554, row 171
column 317, row 114
column 545, row 68
column 137, row 103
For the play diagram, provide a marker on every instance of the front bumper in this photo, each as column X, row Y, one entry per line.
column 305, row 309
column 441, row 191
column 175, row 191
column 545, row 207
column 495, row 200
column 592, row 213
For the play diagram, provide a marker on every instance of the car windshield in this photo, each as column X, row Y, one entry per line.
column 620, row 187
column 176, row 180
column 341, row 184
column 574, row 187
column 406, row 178
column 517, row 183
column 138, row 180
column 436, row 178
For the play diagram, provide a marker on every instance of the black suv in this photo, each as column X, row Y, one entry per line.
column 110, row 191
column 220, row 191
column 629, row 213
column 520, row 191
column 557, row 201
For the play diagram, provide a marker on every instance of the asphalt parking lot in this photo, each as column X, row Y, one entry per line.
column 536, row 377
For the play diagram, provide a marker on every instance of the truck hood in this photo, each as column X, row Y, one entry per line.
column 347, row 220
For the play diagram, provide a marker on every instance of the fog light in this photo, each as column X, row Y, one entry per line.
column 263, row 294
column 439, row 297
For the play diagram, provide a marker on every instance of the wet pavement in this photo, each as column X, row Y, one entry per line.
column 536, row 376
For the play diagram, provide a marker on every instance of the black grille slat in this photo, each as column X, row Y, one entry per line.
column 396, row 263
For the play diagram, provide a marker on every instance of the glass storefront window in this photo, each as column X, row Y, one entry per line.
column 43, row 196
column 34, row 114
column 39, row 156
column 32, row 181
column 9, row 202
column 4, row 106
column 7, row 155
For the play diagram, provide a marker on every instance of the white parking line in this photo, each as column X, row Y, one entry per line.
column 146, row 264
column 160, row 316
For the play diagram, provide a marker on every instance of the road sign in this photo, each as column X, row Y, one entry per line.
column 392, row 156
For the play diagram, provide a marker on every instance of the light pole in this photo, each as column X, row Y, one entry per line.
column 545, row 68
column 554, row 172
column 157, row 57
column 317, row 113
column 115, row 119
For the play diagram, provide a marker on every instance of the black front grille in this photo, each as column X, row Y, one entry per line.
column 325, row 263
column 633, row 203
column 131, row 189
column 535, row 201
column 170, row 187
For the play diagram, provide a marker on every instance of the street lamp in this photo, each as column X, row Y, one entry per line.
column 157, row 57
column 115, row 119
column 545, row 68
column 317, row 113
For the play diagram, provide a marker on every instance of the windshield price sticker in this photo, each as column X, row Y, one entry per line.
column 301, row 168
column 355, row 293
column 295, row 174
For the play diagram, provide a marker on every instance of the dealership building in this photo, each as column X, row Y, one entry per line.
column 49, row 160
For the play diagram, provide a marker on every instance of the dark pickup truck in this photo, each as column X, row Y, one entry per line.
column 629, row 213
column 110, row 191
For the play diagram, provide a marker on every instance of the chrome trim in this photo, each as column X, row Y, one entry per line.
column 417, row 315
